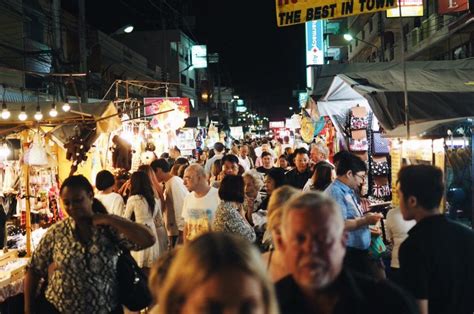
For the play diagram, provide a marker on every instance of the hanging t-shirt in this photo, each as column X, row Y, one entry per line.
column 113, row 202
column 198, row 213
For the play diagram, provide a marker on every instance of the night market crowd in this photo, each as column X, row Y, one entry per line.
column 258, row 227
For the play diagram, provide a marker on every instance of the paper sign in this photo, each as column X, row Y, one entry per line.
column 291, row 12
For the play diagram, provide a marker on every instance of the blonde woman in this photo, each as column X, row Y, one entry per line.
column 217, row 273
column 274, row 258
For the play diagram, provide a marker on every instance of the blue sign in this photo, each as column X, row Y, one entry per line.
column 315, row 42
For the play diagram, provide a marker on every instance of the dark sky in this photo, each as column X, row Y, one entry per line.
column 262, row 62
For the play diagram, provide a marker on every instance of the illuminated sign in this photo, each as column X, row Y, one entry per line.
column 277, row 124
column 314, row 43
column 199, row 56
column 410, row 8
column 452, row 6
column 241, row 109
column 291, row 12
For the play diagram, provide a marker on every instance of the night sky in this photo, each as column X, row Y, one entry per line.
column 262, row 62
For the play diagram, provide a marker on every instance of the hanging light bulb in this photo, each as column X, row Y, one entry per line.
column 38, row 115
column 5, row 112
column 53, row 112
column 23, row 116
column 66, row 106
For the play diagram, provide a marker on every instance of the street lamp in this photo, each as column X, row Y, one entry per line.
column 127, row 29
column 348, row 37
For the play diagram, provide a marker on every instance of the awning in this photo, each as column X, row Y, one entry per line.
column 430, row 129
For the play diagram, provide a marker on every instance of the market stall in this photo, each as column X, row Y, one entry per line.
column 365, row 107
column 35, row 155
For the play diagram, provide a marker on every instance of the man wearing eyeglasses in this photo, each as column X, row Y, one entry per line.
column 351, row 173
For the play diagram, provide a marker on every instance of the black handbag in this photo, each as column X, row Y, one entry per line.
column 132, row 282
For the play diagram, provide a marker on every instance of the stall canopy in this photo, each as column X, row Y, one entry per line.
column 437, row 90
column 102, row 116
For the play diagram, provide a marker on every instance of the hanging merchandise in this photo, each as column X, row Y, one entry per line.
column 307, row 129
column 380, row 145
column 78, row 146
column 170, row 113
column 37, row 154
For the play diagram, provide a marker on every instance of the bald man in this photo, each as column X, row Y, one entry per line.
column 200, row 205
column 313, row 243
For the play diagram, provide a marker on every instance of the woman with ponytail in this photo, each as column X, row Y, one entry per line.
column 78, row 256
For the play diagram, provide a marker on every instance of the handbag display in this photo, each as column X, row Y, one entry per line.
column 380, row 145
column 132, row 282
column 359, row 123
column 358, row 142
column 380, row 166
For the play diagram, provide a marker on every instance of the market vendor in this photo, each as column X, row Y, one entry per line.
column 81, row 254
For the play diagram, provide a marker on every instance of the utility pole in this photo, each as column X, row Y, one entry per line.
column 83, row 49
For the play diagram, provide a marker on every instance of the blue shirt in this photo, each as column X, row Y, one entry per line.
column 345, row 197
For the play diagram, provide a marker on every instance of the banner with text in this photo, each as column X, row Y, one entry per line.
column 291, row 12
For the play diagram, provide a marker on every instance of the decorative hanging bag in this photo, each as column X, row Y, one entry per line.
column 380, row 145
column 37, row 154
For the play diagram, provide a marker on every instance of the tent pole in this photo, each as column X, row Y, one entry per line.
column 26, row 176
column 404, row 69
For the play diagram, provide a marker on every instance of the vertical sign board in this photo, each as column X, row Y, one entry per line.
column 314, row 47
column 199, row 56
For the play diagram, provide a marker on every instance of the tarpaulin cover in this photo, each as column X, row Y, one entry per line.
column 436, row 90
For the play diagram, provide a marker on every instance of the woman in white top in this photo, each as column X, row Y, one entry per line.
column 113, row 202
column 144, row 206
column 159, row 223
column 396, row 229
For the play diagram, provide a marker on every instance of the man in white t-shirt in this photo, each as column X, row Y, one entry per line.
column 244, row 159
column 175, row 192
column 200, row 205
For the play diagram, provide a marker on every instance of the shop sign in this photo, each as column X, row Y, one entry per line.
column 314, row 43
column 277, row 124
column 291, row 12
column 410, row 8
column 170, row 120
column 452, row 6
column 199, row 56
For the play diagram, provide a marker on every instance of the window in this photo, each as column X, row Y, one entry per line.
column 350, row 48
column 183, row 79
column 357, row 42
column 191, row 83
column 371, row 26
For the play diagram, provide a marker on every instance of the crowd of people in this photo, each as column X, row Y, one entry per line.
column 256, row 228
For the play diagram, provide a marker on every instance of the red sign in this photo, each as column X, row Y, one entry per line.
column 452, row 6
column 170, row 113
column 155, row 102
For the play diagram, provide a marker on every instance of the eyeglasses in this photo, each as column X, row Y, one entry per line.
column 360, row 177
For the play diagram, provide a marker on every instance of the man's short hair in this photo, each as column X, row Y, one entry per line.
column 300, row 151
column 104, row 180
column 219, row 147
column 322, row 149
column 265, row 154
column 176, row 149
column 315, row 201
column 350, row 162
column 230, row 158
column 423, row 182
column 161, row 164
